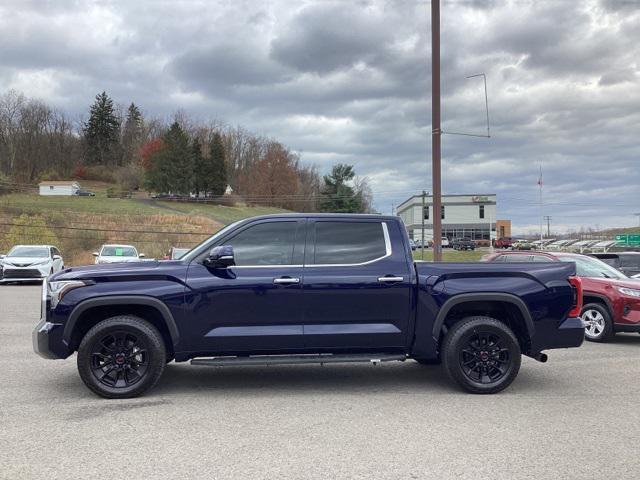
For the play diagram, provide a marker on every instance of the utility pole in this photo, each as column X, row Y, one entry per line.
column 424, row 199
column 436, row 132
column 548, row 219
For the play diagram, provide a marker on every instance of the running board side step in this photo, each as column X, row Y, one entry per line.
column 297, row 359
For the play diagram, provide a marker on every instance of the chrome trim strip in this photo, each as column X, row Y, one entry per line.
column 388, row 252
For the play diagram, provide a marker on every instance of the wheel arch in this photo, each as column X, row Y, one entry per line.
column 90, row 312
column 511, row 308
column 589, row 297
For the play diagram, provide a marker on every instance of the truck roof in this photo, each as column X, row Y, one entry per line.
column 375, row 216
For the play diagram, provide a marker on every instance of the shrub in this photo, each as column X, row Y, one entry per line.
column 29, row 229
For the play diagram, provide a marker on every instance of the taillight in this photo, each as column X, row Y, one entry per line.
column 576, row 287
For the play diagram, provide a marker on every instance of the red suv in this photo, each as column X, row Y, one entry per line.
column 611, row 299
column 504, row 242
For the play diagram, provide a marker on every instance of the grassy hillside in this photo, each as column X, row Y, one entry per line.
column 80, row 225
column 450, row 255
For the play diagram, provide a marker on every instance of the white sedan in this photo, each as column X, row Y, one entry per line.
column 30, row 262
column 118, row 254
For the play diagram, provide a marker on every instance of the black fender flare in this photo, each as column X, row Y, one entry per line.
column 479, row 297
column 604, row 300
column 121, row 300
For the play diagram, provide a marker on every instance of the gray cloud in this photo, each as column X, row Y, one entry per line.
column 350, row 82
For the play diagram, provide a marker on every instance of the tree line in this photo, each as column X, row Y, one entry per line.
column 182, row 157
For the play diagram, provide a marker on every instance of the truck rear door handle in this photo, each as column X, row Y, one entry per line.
column 286, row 280
column 390, row 279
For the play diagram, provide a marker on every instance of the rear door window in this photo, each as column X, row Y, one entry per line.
column 347, row 243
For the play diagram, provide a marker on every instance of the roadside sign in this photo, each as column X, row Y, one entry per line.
column 631, row 240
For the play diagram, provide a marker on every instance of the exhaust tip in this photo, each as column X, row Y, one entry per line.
column 541, row 357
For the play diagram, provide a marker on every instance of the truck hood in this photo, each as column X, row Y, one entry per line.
column 110, row 269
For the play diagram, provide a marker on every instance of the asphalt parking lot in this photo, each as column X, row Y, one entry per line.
column 578, row 416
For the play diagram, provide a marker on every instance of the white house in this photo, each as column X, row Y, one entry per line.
column 59, row 188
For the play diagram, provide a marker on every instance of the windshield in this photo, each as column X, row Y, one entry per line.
column 118, row 251
column 29, row 252
column 592, row 267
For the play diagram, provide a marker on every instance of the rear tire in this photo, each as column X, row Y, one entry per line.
column 481, row 354
column 599, row 324
column 121, row 357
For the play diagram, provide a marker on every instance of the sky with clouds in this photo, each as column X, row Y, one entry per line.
column 349, row 81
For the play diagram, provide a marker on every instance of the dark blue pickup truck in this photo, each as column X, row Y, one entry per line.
column 306, row 289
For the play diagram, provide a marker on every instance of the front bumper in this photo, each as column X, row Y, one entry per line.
column 43, row 337
column 26, row 274
column 47, row 336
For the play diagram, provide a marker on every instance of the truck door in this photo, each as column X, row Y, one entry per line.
column 255, row 305
column 357, row 288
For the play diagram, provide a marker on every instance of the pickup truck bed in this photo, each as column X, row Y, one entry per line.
column 306, row 288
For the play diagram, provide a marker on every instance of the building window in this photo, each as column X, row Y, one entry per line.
column 50, row 187
column 426, row 213
column 481, row 211
column 442, row 212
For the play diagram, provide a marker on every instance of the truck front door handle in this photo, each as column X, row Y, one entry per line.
column 286, row 280
column 390, row 279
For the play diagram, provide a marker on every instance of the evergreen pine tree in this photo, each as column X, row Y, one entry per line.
column 337, row 196
column 102, row 132
column 216, row 180
column 132, row 134
column 199, row 168
column 171, row 169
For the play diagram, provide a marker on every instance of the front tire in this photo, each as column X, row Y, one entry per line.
column 121, row 357
column 481, row 354
column 599, row 324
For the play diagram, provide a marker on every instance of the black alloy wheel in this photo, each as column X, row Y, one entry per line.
column 481, row 354
column 484, row 359
column 121, row 357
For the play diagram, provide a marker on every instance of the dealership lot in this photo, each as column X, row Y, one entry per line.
column 574, row 417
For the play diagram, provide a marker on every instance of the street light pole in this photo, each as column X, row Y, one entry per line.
column 436, row 132
column 424, row 198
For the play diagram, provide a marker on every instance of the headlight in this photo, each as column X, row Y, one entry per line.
column 44, row 262
column 57, row 290
column 632, row 292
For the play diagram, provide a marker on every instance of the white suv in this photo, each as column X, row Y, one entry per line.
column 117, row 254
column 26, row 263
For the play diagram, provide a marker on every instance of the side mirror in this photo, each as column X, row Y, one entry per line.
column 57, row 257
column 95, row 254
column 141, row 255
column 2, row 256
column 220, row 257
